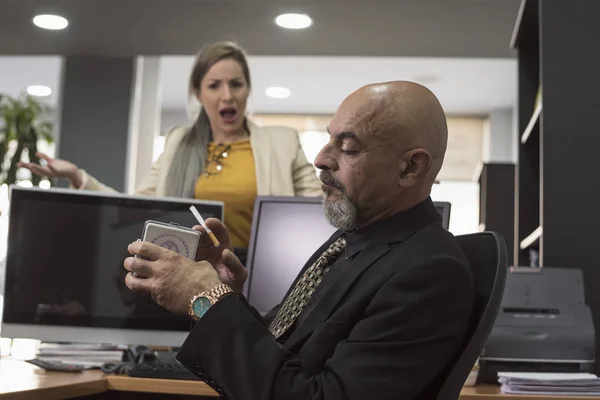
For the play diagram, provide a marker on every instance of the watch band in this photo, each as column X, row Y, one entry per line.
column 213, row 295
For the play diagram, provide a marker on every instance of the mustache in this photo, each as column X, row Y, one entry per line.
column 327, row 178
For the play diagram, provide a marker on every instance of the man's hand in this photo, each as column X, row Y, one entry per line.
column 171, row 279
column 228, row 265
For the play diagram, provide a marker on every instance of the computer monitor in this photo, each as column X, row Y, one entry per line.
column 443, row 207
column 286, row 231
column 64, row 267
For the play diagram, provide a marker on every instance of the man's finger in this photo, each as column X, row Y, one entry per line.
column 219, row 229
column 141, row 267
column 146, row 250
column 136, row 284
column 233, row 263
column 216, row 225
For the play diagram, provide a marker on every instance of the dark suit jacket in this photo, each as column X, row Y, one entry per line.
column 386, row 329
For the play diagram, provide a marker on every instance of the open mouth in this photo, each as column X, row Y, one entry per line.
column 228, row 114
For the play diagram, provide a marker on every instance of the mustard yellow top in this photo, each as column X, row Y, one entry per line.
column 230, row 177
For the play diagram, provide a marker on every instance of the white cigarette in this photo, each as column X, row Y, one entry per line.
column 211, row 235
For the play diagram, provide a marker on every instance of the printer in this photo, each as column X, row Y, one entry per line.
column 543, row 325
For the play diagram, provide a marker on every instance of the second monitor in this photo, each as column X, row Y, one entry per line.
column 286, row 231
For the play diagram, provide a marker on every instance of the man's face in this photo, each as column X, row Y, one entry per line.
column 359, row 167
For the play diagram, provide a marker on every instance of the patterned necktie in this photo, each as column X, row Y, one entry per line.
column 305, row 287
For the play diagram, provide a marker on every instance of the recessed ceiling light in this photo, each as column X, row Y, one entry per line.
column 293, row 21
column 48, row 21
column 278, row 92
column 39, row 90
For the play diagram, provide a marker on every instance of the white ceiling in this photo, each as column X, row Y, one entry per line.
column 318, row 84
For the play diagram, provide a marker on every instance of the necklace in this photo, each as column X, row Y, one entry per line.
column 214, row 161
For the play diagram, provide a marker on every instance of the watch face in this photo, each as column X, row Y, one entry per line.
column 201, row 306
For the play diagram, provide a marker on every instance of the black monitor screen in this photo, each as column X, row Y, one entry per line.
column 443, row 207
column 65, row 258
column 285, row 233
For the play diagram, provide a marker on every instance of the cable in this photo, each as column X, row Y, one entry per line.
column 133, row 356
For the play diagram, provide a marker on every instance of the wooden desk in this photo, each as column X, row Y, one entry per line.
column 22, row 381
column 19, row 380
column 492, row 392
column 164, row 386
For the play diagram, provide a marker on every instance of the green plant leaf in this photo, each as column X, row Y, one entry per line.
column 3, row 150
column 32, row 152
column 20, row 121
column 44, row 131
column 11, row 175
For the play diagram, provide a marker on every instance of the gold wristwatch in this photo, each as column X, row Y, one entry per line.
column 202, row 302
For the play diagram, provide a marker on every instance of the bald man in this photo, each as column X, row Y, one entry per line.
column 378, row 312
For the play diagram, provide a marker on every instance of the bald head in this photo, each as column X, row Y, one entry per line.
column 402, row 114
column 386, row 147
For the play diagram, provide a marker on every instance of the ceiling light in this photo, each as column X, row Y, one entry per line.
column 293, row 21
column 48, row 21
column 278, row 92
column 39, row 90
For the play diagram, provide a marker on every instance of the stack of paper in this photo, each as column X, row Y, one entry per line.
column 568, row 384
column 88, row 355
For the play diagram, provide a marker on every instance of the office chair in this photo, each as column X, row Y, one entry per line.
column 486, row 252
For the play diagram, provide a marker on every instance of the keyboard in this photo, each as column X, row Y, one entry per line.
column 164, row 366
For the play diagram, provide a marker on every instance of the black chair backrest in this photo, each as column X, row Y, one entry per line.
column 486, row 252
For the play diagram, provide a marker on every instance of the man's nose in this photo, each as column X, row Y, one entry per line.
column 324, row 160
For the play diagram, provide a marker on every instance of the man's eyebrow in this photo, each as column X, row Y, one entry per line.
column 345, row 135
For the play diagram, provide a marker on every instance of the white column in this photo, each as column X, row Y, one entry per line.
column 499, row 138
column 144, row 120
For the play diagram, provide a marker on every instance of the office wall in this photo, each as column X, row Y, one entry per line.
column 94, row 116
column 170, row 118
column 144, row 124
column 499, row 137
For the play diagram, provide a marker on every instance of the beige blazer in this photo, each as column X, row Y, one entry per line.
column 281, row 165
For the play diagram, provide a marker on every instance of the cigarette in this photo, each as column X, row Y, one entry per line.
column 211, row 235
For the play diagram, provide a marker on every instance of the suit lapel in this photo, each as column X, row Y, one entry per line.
column 261, row 151
column 333, row 296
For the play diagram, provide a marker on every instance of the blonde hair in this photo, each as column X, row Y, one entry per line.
column 190, row 156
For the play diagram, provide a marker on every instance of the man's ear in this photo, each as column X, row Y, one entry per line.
column 414, row 167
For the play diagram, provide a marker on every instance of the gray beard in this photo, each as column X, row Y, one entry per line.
column 342, row 214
